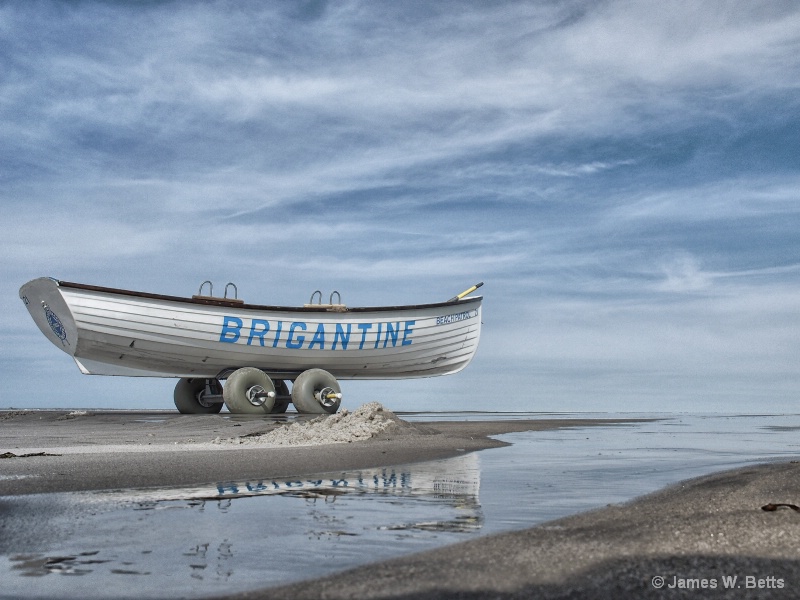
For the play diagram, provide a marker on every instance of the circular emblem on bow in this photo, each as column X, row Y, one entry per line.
column 55, row 323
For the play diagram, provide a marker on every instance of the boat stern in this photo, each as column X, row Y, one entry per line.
column 42, row 297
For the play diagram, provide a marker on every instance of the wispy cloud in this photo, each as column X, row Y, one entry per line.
column 576, row 156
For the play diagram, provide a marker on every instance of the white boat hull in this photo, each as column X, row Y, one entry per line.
column 118, row 332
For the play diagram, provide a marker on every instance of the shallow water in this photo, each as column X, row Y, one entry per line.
column 236, row 536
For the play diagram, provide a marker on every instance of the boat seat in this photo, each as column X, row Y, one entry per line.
column 328, row 307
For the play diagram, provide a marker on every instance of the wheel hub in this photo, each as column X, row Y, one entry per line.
column 210, row 394
column 202, row 401
column 256, row 395
column 327, row 396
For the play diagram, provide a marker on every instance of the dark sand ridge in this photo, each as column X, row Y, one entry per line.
column 112, row 450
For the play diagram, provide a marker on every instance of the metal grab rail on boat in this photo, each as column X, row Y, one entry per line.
column 200, row 296
column 210, row 289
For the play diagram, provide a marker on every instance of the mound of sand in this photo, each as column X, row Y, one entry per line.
column 364, row 423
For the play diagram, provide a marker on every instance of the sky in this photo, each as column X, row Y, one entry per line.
column 624, row 176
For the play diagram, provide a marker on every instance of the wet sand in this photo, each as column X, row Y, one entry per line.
column 56, row 451
column 697, row 535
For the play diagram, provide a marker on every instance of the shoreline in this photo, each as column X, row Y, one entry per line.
column 58, row 451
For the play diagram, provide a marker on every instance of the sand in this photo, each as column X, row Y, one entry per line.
column 344, row 427
column 688, row 541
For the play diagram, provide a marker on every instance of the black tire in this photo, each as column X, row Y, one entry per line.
column 240, row 386
column 281, row 389
column 186, row 397
column 307, row 385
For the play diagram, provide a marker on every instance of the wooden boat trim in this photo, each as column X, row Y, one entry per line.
column 239, row 304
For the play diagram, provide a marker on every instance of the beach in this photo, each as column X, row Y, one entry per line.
column 705, row 536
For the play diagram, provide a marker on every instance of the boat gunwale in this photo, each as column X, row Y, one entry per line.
column 241, row 305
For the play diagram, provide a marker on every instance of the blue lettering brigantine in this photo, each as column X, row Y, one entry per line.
column 297, row 335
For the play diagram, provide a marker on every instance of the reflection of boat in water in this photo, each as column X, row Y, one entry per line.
column 230, row 538
column 453, row 483
column 256, row 348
